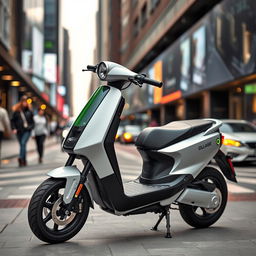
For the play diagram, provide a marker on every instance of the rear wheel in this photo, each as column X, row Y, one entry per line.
column 48, row 217
column 200, row 217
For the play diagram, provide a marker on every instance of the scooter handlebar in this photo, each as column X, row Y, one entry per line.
column 91, row 68
column 143, row 79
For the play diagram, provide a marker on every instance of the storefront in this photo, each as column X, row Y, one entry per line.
column 209, row 71
column 14, row 83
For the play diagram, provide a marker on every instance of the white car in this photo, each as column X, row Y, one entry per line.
column 239, row 140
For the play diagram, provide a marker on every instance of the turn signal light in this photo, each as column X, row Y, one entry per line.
column 229, row 142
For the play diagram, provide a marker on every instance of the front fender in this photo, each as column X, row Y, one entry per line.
column 72, row 176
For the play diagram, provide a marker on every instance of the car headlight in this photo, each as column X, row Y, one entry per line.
column 234, row 143
column 127, row 136
column 102, row 71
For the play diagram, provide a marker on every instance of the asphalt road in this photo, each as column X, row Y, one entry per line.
column 106, row 234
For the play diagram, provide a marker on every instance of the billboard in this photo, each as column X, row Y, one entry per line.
column 219, row 48
column 50, row 67
column 37, row 50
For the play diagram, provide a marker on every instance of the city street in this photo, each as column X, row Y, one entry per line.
column 106, row 234
column 186, row 69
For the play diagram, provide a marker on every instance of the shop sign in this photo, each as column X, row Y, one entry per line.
column 250, row 89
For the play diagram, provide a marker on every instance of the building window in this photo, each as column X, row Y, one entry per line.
column 153, row 5
column 5, row 22
column 144, row 15
column 136, row 27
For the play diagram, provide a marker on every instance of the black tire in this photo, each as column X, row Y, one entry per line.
column 46, row 202
column 200, row 217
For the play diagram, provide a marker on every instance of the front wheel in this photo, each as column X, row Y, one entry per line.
column 199, row 217
column 48, row 217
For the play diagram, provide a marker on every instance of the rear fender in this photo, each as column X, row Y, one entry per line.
column 226, row 166
column 72, row 176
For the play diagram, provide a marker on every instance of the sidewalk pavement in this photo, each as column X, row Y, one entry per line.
column 105, row 234
column 10, row 148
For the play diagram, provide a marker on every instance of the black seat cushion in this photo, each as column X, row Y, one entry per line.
column 163, row 136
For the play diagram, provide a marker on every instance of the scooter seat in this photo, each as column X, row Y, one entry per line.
column 155, row 138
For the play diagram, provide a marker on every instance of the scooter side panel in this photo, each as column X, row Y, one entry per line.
column 91, row 142
column 193, row 154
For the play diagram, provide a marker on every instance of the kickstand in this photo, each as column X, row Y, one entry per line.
column 158, row 222
column 165, row 213
column 168, row 226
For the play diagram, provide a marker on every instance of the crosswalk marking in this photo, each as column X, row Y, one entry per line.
column 128, row 156
column 22, row 173
column 22, row 180
column 253, row 175
column 129, row 177
column 28, row 187
column 247, row 180
column 26, row 196
column 244, row 171
column 131, row 167
column 236, row 189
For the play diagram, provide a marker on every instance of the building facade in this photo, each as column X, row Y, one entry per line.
column 27, row 64
column 203, row 51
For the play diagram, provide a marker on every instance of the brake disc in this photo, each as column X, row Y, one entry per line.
column 68, row 218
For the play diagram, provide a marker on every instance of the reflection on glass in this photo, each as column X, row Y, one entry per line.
column 171, row 80
column 151, row 88
column 185, row 64
column 246, row 43
column 218, row 33
column 232, row 28
column 199, row 50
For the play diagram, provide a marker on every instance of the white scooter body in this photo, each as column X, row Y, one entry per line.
column 173, row 155
column 91, row 145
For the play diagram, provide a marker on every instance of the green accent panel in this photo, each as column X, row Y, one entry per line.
column 91, row 105
column 250, row 89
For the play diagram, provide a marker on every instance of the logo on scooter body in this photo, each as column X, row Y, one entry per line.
column 208, row 144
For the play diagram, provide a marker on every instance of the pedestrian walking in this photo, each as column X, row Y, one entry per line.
column 40, row 132
column 22, row 124
column 4, row 126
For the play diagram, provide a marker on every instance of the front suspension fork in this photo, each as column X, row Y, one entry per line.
column 83, row 177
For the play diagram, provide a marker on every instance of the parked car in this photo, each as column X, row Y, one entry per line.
column 239, row 140
column 119, row 133
column 130, row 133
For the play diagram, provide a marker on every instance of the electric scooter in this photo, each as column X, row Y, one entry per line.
column 175, row 167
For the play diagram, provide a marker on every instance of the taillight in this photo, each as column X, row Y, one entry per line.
column 231, row 165
column 222, row 139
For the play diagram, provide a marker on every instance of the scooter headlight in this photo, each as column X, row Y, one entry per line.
column 102, row 71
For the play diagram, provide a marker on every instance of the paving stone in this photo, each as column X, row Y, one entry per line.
column 127, row 248
column 105, row 234
column 172, row 251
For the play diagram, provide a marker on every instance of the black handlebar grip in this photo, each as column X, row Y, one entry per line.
column 152, row 82
column 91, row 68
column 143, row 79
